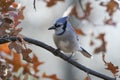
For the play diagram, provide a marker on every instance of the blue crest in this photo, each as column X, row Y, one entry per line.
column 62, row 20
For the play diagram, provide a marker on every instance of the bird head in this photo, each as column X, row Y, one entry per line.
column 60, row 25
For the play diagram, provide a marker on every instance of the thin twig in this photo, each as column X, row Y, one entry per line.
column 34, row 4
column 59, row 54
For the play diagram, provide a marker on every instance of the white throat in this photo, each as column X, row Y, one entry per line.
column 59, row 31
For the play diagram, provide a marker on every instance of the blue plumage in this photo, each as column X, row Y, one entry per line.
column 62, row 20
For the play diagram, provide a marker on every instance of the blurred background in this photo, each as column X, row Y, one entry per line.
column 36, row 24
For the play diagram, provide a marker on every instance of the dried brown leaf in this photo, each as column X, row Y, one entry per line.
column 26, row 68
column 2, row 31
column 110, row 66
column 87, row 78
column 103, row 58
column 20, row 47
column 74, row 12
column 15, row 5
column 79, row 31
column 20, row 14
column 53, row 77
column 91, row 43
column 16, row 46
column 16, row 78
column 51, row 3
column 3, row 68
column 7, row 29
column 16, row 62
column 25, row 54
column 87, row 10
column 15, row 31
column 8, row 20
column 110, row 22
column 102, row 48
column 5, row 4
column 111, row 6
column 3, row 28
column 4, row 48
column 36, row 63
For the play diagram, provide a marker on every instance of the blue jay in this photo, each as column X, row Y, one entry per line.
column 65, row 37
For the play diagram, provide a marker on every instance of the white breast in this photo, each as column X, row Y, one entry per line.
column 64, row 46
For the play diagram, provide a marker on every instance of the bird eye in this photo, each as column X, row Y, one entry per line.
column 58, row 25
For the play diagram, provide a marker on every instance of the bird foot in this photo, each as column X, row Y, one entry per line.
column 56, row 51
column 70, row 57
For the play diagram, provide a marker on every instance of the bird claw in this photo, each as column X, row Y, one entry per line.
column 70, row 57
column 56, row 51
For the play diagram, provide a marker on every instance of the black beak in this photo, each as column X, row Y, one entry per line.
column 53, row 27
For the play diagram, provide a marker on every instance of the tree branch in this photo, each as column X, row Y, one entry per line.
column 59, row 54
